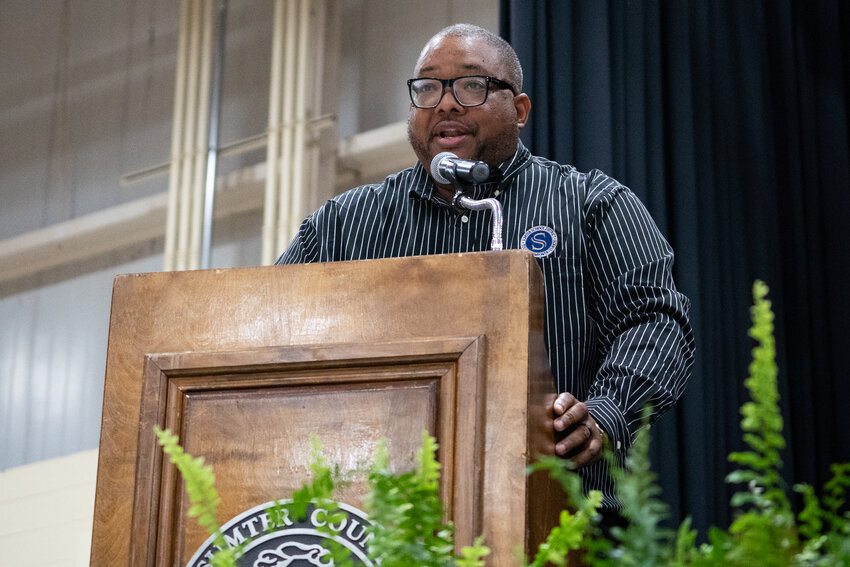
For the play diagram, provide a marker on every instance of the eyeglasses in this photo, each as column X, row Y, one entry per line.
column 426, row 92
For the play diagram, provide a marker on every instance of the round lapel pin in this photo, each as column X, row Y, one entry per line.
column 540, row 241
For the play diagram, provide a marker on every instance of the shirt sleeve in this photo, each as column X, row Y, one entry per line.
column 304, row 247
column 644, row 333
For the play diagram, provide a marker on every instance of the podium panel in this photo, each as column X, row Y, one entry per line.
column 245, row 364
column 251, row 415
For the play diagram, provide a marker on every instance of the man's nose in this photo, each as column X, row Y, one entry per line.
column 449, row 102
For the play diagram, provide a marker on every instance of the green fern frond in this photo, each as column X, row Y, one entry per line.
column 762, row 421
column 203, row 497
column 577, row 528
column 644, row 540
column 764, row 531
column 407, row 515
column 473, row 555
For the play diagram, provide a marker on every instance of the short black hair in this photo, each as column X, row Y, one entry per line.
column 502, row 47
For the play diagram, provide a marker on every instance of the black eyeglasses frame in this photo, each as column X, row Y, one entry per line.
column 450, row 83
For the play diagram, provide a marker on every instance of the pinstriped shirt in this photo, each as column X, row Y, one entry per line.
column 616, row 328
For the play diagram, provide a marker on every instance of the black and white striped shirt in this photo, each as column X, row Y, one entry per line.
column 616, row 330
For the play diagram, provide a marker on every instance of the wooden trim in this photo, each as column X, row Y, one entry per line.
column 170, row 378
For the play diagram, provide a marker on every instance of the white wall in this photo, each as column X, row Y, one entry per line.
column 52, row 360
column 46, row 512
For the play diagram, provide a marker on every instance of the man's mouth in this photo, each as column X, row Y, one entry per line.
column 450, row 135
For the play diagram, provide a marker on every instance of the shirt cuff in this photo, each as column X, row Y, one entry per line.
column 611, row 419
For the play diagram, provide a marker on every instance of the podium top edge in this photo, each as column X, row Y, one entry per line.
column 512, row 255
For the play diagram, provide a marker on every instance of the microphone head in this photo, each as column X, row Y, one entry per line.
column 435, row 167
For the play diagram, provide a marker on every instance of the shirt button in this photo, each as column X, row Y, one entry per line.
column 464, row 218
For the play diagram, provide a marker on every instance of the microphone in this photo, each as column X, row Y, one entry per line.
column 446, row 168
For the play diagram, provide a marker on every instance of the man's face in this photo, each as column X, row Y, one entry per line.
column 489, row 132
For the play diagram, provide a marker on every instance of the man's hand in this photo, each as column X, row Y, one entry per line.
column 577, row 437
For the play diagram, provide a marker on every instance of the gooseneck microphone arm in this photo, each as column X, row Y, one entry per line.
column 480, row 204
column 447, row 168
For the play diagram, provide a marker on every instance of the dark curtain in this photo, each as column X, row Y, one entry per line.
column 730, row 120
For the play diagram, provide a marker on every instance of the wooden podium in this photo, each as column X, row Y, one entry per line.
column 244, row 364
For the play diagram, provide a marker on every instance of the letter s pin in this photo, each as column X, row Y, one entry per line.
column 540, row 241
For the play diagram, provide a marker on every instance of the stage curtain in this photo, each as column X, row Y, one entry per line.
column 729, row 119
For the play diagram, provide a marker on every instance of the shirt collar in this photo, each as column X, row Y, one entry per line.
column 500, row 178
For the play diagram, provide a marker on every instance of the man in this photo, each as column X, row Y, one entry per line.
column 617, row 331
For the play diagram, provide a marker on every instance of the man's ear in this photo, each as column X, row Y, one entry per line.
column 523, row 108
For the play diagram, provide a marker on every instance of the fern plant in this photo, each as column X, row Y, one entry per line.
column 325, row 479
column 827, row 530
column 764, row 531
column 407, row 515
column 203, row 497
column 577, row 528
